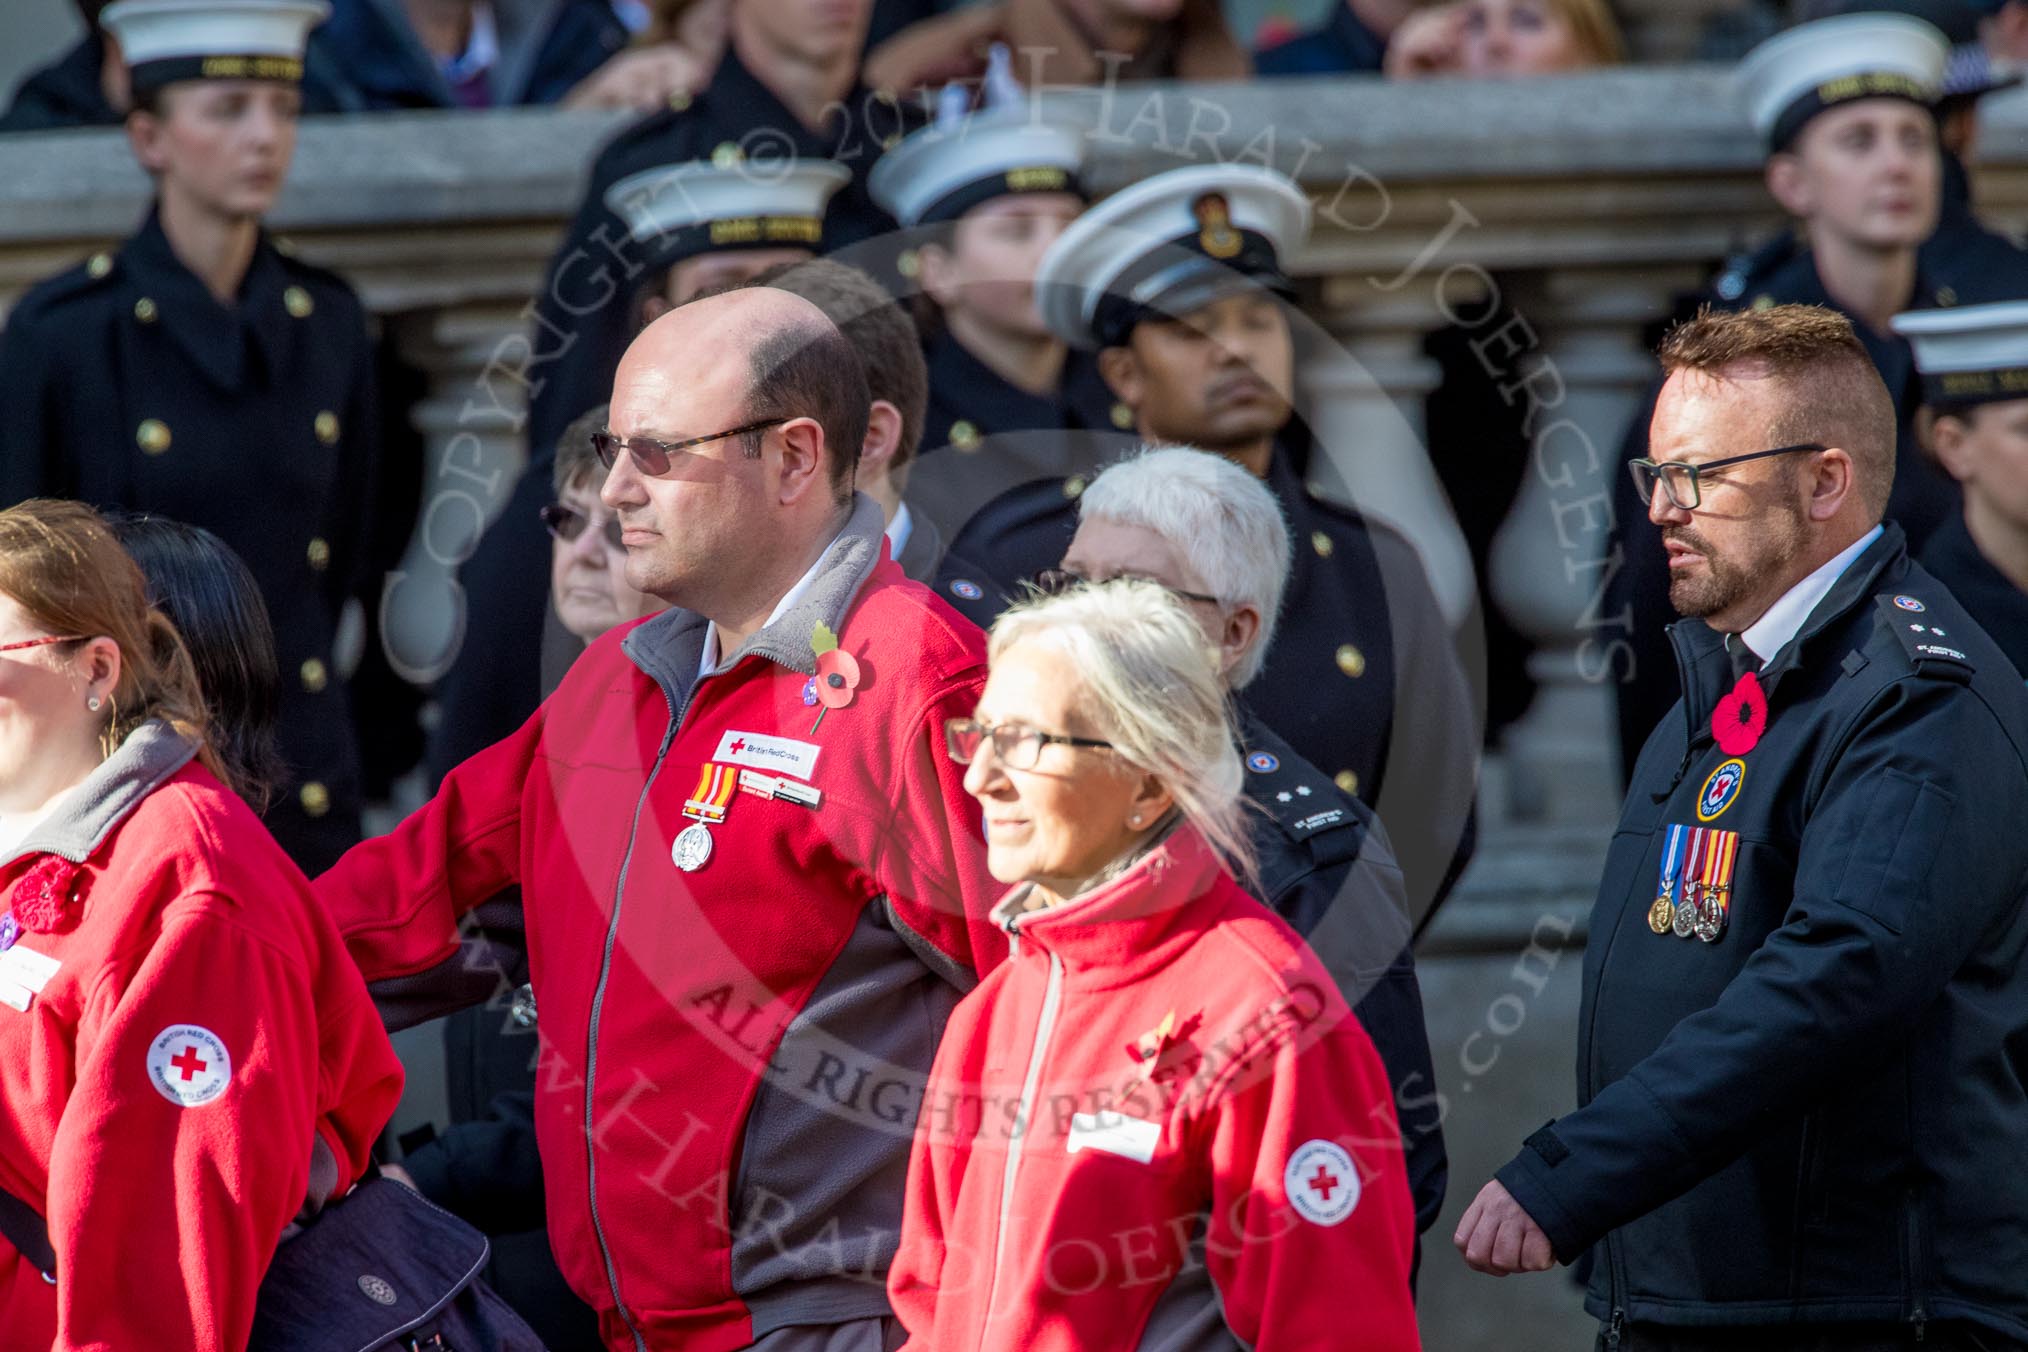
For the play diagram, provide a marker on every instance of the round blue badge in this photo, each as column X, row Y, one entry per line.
column 1720, row 788
column 1262, row 763
column 970, row 591
column 1910, row 603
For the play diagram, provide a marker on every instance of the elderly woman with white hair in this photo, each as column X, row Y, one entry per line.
column 1214, row 536
column 1162, row 1065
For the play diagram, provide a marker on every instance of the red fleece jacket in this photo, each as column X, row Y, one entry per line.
column 1161, row 1059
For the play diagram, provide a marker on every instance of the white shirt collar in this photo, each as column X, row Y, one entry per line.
column 1770, row 633
column 707, row 661
column 482, row 48
column 898, row 531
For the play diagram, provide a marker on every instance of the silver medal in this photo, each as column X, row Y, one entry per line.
column 692, row 848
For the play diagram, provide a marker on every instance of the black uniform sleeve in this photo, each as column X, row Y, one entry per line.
column 354, row 529
column 1911, row 855
column 25, row 422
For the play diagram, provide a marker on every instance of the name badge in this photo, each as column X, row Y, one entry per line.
column 782, row 755
column 1114, row 1133
column 24, row 967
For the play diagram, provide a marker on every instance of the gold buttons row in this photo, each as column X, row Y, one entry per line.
column 153, row 436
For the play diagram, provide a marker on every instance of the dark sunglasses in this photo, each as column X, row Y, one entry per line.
column 567, row 523
column 1057, row 581
column 651, row 457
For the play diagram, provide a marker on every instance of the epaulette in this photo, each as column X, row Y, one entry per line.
column 1302, row 802
column 88, row 275
column 1928, row 645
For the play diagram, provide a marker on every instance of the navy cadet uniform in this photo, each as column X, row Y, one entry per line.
column 668, row 213
column 583, row 315
column 130, row 386
column 1974, row 360
column 982, row 434
column 1364, row 673
column 1861, row 56
column 1802, row 1101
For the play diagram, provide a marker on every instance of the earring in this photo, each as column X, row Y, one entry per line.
column 93, row 703
column 1134, row 820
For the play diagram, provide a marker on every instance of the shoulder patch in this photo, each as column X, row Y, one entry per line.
column 1928, row 644
column 1300, row 800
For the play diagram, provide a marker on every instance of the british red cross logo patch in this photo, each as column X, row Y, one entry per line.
column 188, row 1065
column 1321, row 1182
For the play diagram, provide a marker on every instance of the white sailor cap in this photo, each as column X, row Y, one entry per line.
column 1170, row 244
column 1972, row 354
column 677, row 211
column 945, row 169
column 1795, row 75
column 164, row 41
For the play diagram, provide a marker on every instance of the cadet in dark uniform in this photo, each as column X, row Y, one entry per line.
column 758, row 106
column 1974, row 364
column 690, row 227
column 1213, row 535
column 1177, row 280
column 1805, row 988
column 1844, row 106
column 72, row 90
column 983, row 196
column 200, row 374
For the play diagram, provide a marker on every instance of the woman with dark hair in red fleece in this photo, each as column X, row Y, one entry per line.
column 1158, row 1115
column 187, row 1055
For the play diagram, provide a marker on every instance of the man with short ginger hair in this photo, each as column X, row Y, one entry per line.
column 750, row 880
column 1798, row 1103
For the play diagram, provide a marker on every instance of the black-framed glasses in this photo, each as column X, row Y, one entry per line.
column 567, row 523
column 1057, row 581
column 651, row 457
column 1017, row 745
column 1680, row 478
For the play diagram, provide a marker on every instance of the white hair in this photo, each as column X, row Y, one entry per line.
column 1221, row 520
column 1149, row 684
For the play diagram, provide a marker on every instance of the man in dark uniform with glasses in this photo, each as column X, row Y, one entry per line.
column 1805, row 982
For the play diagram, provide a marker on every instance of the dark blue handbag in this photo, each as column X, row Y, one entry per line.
column 383, row 1269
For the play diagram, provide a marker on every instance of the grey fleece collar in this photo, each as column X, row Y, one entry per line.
column 668, row 647
column 151, row 754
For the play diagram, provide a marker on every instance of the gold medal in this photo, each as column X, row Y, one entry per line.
column 1660, row 915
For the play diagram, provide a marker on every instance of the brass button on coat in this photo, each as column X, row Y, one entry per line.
column 1321, row 542
column 315, row 677
column 1347, row 781
column 315, row 798
column 152, row 436
column 145, row 311
column 326, row 425
column 298, row 303
column 1351, row 661
column 319, row 553
column 964, row 436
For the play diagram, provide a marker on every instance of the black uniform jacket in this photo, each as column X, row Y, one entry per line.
column 584, row 314
column 1363, row 674
column 1818, row 1116
column 1327, row 868
column 128, row 385
column 2000, row 607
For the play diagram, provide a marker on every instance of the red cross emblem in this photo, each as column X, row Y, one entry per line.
column 737, row 746
column 188, row 1062
column 1324, row 1182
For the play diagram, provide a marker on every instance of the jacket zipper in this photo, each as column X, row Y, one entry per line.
column 591, row 1055
column 1045, row 1025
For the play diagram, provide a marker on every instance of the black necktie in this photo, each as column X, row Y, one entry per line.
column 1741, row 657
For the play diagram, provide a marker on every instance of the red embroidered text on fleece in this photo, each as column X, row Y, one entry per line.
column 162, row 1089
column 716, row 1163
column 1162, row 1060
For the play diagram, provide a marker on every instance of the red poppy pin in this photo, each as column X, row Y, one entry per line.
column 44, row 899
column 837, row 672
column 1740, row 717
